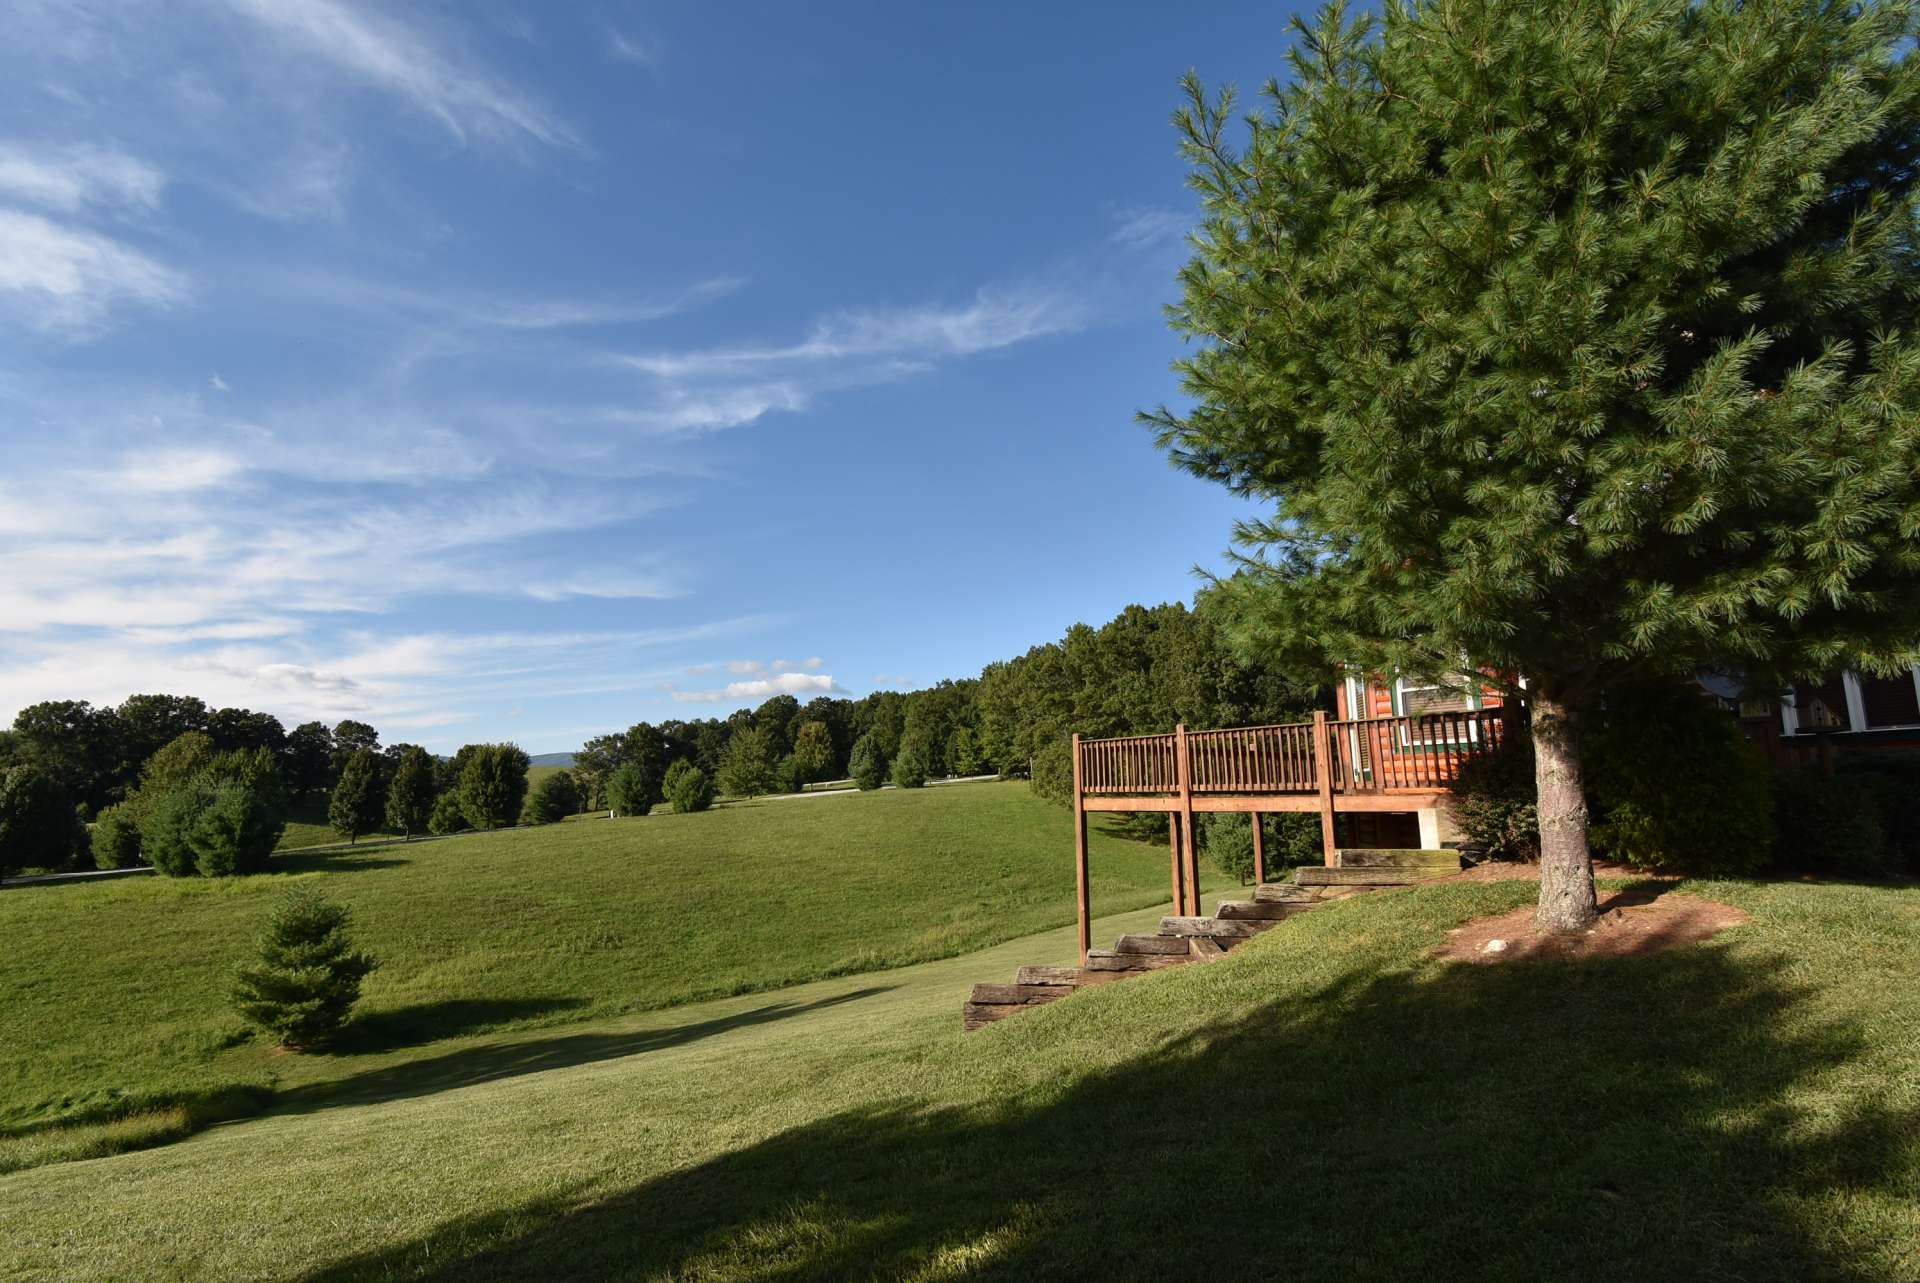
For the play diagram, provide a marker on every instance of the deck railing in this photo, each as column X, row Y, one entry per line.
column 1361, row 760
column 1365, row 755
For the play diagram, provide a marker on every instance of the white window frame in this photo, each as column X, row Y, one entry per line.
column 1856, row 706
column 1476, row 701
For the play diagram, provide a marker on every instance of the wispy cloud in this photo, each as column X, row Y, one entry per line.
column 385, row 53
column 1142, row 228
column 70, row 278
column 629, row 48
column 763, row 688
column 72, row 178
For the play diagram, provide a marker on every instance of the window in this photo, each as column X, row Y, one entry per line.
column 1889, row 701
column 1415, row 698
column 1821, row 706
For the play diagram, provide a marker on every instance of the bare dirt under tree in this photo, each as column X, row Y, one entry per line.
column 1640, row 919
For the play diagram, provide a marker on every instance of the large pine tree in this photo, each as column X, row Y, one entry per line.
column 1571, row 340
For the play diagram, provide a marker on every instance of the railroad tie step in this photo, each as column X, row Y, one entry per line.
column 1114, row 960
column 1205, row 948
column 1312, row 877
column 1221, row 929
column 1150, row 944
column 1282, row 893
column 1370, row 857
column 1261, row 910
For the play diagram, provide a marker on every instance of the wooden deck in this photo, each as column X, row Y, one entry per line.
column 1327, row 766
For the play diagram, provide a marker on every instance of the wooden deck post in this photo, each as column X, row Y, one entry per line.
column 1173, row 863
column 1259, row 852
column 1186, row 818
column 1082, row 897
column 1323, row 766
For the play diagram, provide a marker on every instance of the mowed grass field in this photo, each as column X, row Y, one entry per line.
column 114, row 1023
column 1328, row 1102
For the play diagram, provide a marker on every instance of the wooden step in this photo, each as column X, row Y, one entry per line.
column 1227, row 930
column 1065, row 977
column 1396, row 858
column 975, row 1014
column 1150, row 944
column 1312, row 877
column 1270, row 910
column 1186, row 926
column 1112, row 960
column 1282, row 893
column 1018, row 995
column 1205, row 948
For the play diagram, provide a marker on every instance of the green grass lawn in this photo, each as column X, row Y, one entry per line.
column 1325, row 1103
column 112, row 994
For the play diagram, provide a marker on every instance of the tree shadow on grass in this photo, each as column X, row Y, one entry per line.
column 425, row 1022
column 492, row 1062
column 299, row 861
column 1633, row 1118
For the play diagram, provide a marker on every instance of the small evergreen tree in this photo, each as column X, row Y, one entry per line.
column 688, row 787
column 629, row 791
column 493, row 785
column 448, row 816
column 552, row 800
column 746, row 769
column 308, row 974
column 234, row 828
column 913, row 766
column 868, row 763
column 813, row 752
column 963, row 752
column 410, row 795
column 356, row 805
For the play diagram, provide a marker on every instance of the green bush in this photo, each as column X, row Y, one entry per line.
column 115, row 839
column 1829, row 826
column 553, row 800
column 448, row 816
column 629, row 791
column 688, row 787
column 493, row 784
column 307, row 976
column 1227, row 839
column 1678, row 787
column 1494, row 803
column 1894, row 780
column 166, row 831
column 787, row 775
column 234, row 829
column 1052, row 774
column 868, row 763
column 1288, row 839
column 912, row 767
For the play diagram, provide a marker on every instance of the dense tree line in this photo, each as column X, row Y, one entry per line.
column 1146, row 670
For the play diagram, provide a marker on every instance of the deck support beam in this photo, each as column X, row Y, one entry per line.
column 1259, row 852
column 1185, row 818
column 1323, row 760
column 1082, row 896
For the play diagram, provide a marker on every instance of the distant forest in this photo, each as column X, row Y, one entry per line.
column 1145, row 670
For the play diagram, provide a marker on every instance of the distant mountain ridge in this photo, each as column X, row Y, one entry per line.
column 551, row 759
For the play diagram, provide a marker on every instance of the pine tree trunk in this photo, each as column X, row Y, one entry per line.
column 1566, row 866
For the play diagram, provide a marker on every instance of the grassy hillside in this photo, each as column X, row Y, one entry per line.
column 113, row 994
column 1326, row 1103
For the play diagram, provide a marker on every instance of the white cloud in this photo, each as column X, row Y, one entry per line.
column 73, row 276
column 627, row 48
column 763, row 688
column 400, row 60
column 1140, row 228
column 812, row 665
column 69, row 179
column 217, row 383
column 993, row 320
column 744, row 666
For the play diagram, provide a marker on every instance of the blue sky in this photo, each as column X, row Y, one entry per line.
column 522, row 371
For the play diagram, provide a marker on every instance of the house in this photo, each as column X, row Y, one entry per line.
column 1850, row 711
column 1363, row 697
